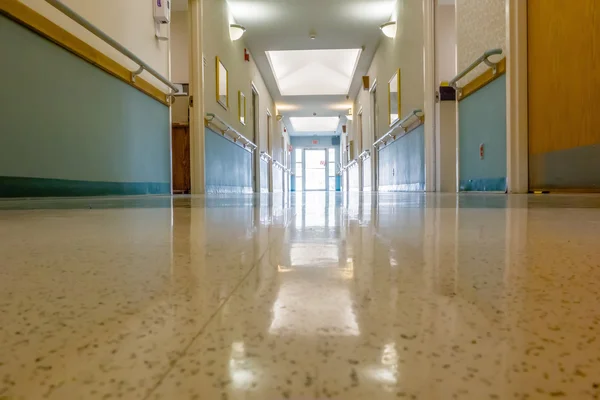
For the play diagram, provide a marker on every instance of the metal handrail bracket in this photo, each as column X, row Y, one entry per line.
column 350, row 164
column 484, row 58
column 228, row 128
column 399, row 124
column 143, row 66
column 265, row 156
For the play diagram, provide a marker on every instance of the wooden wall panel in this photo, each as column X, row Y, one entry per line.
column 564, row 74
column 182, row 182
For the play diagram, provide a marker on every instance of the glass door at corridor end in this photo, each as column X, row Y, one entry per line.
column 315, row 169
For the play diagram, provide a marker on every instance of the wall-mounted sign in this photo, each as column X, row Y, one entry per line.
column 315, row 142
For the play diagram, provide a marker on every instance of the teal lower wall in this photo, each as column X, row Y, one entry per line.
column 366, row 171
column 228, row 166
column 264, row 177
column 482, row 120
column 277, row 180
column 402, row 163
column 68, row 128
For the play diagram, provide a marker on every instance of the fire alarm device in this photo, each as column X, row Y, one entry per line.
column 162, row 11
column 246, row 55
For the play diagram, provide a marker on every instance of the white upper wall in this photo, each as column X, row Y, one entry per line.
column 242, row 75
column 481, row 26
column 405, row 51
column 445, row 37
column 180, row 47
column 129, row 22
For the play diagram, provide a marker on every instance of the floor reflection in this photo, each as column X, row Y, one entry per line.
column 301, row 296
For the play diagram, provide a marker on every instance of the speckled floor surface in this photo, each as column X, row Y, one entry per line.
column 386, row 296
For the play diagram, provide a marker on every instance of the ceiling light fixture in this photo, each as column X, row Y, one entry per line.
column 236, row 31
column 389, row 29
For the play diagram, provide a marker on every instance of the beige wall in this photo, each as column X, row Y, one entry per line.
column 405, row 51
column 180, row 62
column 180, row 47
column 129, row 22
column 241, row 77
column 481, row 25
column 445, row 37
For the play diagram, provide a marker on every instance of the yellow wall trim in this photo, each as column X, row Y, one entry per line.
column 482, row 80
column 27, row 17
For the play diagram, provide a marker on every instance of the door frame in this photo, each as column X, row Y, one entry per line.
column 373, row 106
column 517, row 103
column 256, row 131
column 270, row 148
column 360, row 129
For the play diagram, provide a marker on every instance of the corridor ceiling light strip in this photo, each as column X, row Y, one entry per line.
column 315, row 124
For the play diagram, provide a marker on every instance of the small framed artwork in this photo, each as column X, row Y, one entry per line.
column 394, row 105
column 242, row 107
column 222, row 84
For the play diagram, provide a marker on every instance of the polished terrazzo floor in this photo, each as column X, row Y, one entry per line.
column 304, row 297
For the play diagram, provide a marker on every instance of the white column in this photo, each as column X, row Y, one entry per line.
column 446, row 133
column 197, row 133
column 517, row 152
column 430, row 86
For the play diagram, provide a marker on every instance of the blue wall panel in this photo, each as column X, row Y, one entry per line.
column 402, row 163
column 277, row 180
column 228, row 166
column 68, row 128
column 264, row 177
column 482, row 120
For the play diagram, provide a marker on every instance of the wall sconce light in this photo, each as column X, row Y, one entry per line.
column 236, row 31
column 389, row 29
column 349, row 116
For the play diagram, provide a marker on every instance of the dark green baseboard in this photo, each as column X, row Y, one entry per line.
column 483, row 185
column 41, row 187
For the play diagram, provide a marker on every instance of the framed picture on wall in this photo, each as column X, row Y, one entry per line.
column 222, row 82
column 242, row 107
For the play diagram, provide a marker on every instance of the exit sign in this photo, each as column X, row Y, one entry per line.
column 315, row 142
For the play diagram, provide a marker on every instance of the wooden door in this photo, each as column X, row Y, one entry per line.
column 182, row 182
column 564, row 94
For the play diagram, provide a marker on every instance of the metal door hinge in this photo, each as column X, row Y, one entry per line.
column 191, row 101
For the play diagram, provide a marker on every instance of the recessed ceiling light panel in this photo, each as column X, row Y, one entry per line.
column 314, row 72
column 315, row 124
